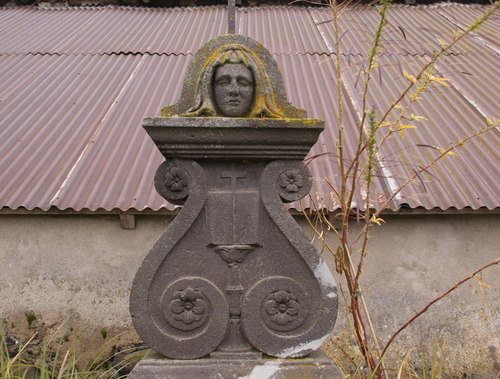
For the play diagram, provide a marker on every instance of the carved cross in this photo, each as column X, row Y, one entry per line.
column 231, row 15
column 233, row 175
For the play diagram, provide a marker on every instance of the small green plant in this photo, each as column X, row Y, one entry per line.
column 437, row 360
column 30, row 318
column 58, row 362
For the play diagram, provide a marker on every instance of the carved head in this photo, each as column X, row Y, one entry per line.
column 234, row 83
column 233, row 89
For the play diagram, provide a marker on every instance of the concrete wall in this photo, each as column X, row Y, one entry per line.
column 72, row 274
column 411, row 261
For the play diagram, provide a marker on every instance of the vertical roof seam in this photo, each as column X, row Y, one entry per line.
column 472, row 34
column 323, row 38
column 101, row 123
column 473, row 104
column 388, row 180
column 456, row 88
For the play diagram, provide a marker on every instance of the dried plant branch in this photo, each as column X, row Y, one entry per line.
column 443, row 153
column 358, row 171
column 423, row 310
column 443, row 49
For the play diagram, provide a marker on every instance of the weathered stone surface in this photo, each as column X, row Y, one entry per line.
column 233, row 138
column 270, row 97
column 316, row 366
column 233, row 274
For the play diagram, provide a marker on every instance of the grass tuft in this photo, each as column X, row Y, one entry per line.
column 57, row 362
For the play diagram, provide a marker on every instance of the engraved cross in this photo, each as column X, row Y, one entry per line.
column 231, row 15
column 233, row 175
column 231, row 10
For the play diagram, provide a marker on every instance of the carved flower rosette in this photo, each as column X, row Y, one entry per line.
column 283, row 304
column 187, row 305
column 294, row 183
column 188, row 309
column 282, row 311
column 172, row 181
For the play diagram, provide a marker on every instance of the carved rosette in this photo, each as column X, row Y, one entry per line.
column 188, row 309
column 283, row 307
column 283, row 311
column 294, row 183
column 196, row 315
column 291, row 181
column 172, row 181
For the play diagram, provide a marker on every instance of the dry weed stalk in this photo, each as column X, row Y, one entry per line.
column 358, row 172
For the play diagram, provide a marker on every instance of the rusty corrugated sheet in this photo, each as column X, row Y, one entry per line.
column 449, row 119
column 408, row 31
column 319, row 98
column 76, row 83
column 283, row 30
column 122, row 161
column 187, row 29
column 477, row 79
column 108, row 30
column 50, row 109
column 462, row 16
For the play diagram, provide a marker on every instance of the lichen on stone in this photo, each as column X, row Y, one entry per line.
column 198, row 100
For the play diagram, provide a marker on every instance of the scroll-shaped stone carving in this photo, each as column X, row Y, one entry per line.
column 233, row 273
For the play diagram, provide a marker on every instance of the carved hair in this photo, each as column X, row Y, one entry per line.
column 264, row 104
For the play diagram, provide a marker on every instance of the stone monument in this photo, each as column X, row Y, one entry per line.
column 233, row 280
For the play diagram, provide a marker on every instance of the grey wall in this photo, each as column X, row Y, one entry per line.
column 411, row 261
column 76, row 271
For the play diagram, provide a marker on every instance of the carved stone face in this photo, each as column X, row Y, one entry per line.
column 233, row 89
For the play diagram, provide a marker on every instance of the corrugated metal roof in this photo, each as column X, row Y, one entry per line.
column 108, row 30
column 51, row 108
column 409, row 30
column 462, row 16
column 122, row 150
column 282, row 30
column 470, row 180
column 76, row 83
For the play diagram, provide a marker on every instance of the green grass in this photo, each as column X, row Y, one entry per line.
column 56, row 362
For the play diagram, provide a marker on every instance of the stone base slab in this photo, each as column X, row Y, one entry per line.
column 316, row 366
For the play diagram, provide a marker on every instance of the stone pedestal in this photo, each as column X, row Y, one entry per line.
column 315, row 366
column 233, row 277
column 233, row 271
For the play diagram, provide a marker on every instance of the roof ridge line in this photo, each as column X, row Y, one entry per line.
column 98, row 54
column 281, row 53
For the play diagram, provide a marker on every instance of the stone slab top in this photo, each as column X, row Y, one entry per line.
column 231, row 122
column 233, row 138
